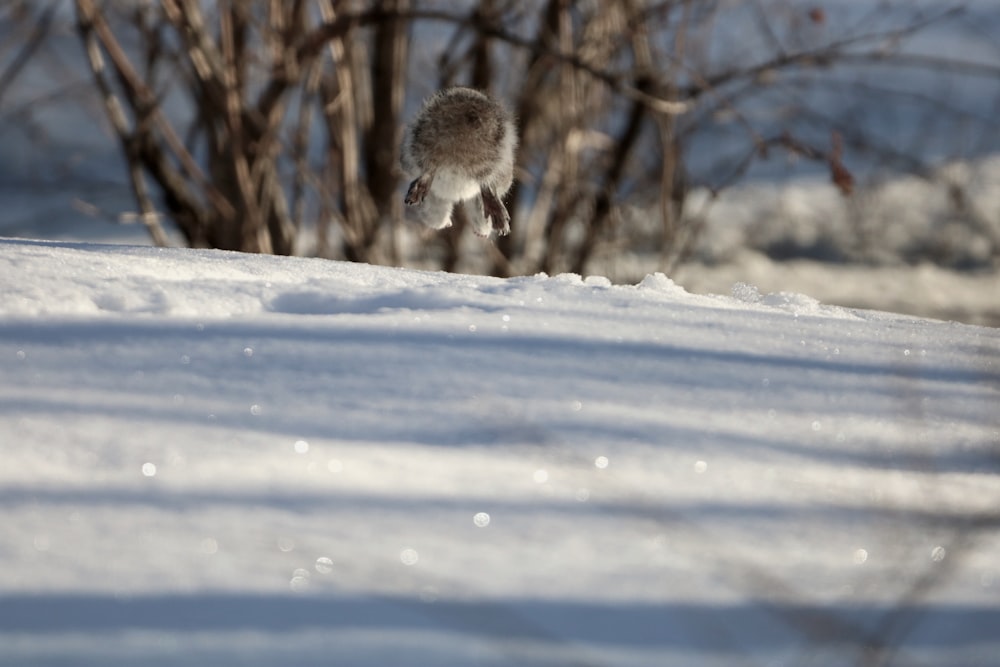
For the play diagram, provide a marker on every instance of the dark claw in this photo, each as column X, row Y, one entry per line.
column 418, row 190
column 496, row 212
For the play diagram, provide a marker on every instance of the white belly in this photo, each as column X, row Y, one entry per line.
column 453, row 186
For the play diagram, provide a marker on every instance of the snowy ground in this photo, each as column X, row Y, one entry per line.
column 882, row 263
column 924, row 289
column 901, row 245
column 215, row 458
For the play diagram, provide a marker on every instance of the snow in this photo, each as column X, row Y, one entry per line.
column 923, row 289
column 227, row 459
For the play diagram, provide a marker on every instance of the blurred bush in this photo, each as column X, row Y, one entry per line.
column 274, row 126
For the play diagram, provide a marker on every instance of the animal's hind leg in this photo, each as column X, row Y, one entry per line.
column 419, row 189
column 494, row 210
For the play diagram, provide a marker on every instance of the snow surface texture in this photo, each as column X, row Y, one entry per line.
column 215, row 458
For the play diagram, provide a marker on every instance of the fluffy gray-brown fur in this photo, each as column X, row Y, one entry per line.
column 460, row 148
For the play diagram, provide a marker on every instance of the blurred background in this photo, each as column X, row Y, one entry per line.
column 845, row 150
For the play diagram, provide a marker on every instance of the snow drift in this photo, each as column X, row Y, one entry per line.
column 214, row 458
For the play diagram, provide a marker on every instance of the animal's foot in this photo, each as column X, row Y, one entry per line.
column 495, row 212
column 418, row 190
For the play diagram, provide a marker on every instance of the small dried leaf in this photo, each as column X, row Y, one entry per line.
column 841, row 178
column 839, row 174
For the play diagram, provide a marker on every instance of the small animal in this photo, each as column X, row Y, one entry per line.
column 460, row 147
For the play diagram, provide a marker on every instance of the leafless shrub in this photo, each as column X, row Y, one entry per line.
column 265, row 124
column 28, row 27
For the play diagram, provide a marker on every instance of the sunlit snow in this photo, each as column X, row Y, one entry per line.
column 216, row 458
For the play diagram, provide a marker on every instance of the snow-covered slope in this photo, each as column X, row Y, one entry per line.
column 215, row 458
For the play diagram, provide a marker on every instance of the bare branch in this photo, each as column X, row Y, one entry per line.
column 32, row 43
